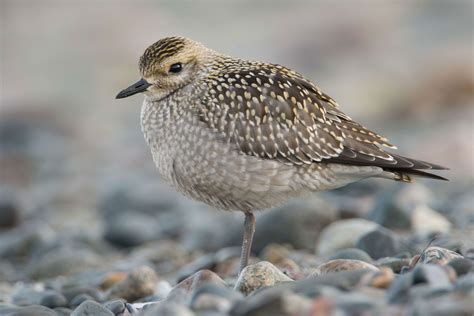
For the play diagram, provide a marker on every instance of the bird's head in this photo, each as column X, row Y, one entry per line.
column 168, row 65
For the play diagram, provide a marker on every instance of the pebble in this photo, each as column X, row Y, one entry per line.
column 184, row 291
column 214, row 297
column 131, row 229
column 339, row 265
column 462, row 266
column 382, row 279
column 116, row 307
column 437, row 255
column 435, row 277
column 396, row 264
column 165, row 309
column 427, row 221
column 32, row 310
column 391, row 214
column 298, row 224
column 92, row 292
column 53, row 300
column 352, row 254
column 63, row 311
column 210, row 302
column 91, row 308
column 9, row 212
column 139, row 283
column 343, row 234
column 64, row 261
column 273, row 301
column 27, row 294
column 379, row 243
column 259, row 275
column 79, row 299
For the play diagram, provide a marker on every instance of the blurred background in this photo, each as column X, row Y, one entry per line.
column 78, row 188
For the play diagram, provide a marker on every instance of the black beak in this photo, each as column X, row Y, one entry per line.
column 139, row 86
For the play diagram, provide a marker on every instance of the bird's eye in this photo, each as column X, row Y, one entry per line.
column 175, row 68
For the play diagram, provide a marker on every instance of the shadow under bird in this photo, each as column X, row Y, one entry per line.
column 247, row 135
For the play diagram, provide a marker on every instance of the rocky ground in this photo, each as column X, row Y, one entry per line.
column 88, row 228
column 348, row 252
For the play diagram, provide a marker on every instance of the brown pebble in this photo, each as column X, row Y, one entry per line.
column 139, row 283
column 382, row 279
column 112, row 278
column 338, row 265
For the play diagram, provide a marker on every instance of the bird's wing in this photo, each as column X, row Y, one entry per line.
column 270, row 111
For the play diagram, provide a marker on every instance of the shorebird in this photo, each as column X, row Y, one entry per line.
column 246, row 135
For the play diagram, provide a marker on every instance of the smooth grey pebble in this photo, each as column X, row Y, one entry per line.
column 91, row 308
column 116, row 307
column 462, row 266
column 351, row 253
column 79, row 299
column 53, row 300
column 63, row 311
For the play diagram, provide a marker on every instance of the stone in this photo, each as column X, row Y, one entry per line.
column 32, row 310
column 434, row 276
column 139, row 283
column 166, row 255
column 91, row 308
column 465, row 284
column 27, row 294
column 388, row 213
column 379, row 243
column 9, row 212
column 351, row 254
column 399, row 289
column 21, row 241
column 210, row 302
column 427, row 221
column 117, row 307
column 53, row 300
column 208, row 261
column 62, row 311
column 298, row 224
column 339, row 265
column 382, row 279
column 446, row 304
column 343, row 234
column 462, row 266
column 256, row 276
column 183, row 291
column 396, row 264
column 437, row 255
column 131, row 229
column 356, row 303
column 212, row 297
column 165, row 309
column 79, row 299
column 314, row 286
column 272, row 301
column 92, row 292
column 64, row 261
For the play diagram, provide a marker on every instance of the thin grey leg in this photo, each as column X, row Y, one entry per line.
column 249, row 229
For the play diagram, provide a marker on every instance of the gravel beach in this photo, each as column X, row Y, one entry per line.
column 87, row 227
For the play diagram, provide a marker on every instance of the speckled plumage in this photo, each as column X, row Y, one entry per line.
column 245, row 135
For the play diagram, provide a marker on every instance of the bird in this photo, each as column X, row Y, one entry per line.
column 246, row 136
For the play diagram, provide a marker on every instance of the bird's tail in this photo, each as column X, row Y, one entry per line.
column 407, row 174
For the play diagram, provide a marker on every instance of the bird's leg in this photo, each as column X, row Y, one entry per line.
column 249, row 229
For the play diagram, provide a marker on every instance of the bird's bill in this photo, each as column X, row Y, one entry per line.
column 139, row 86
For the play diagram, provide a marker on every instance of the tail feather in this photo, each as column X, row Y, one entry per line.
column 398, row 167
column 406, row 175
